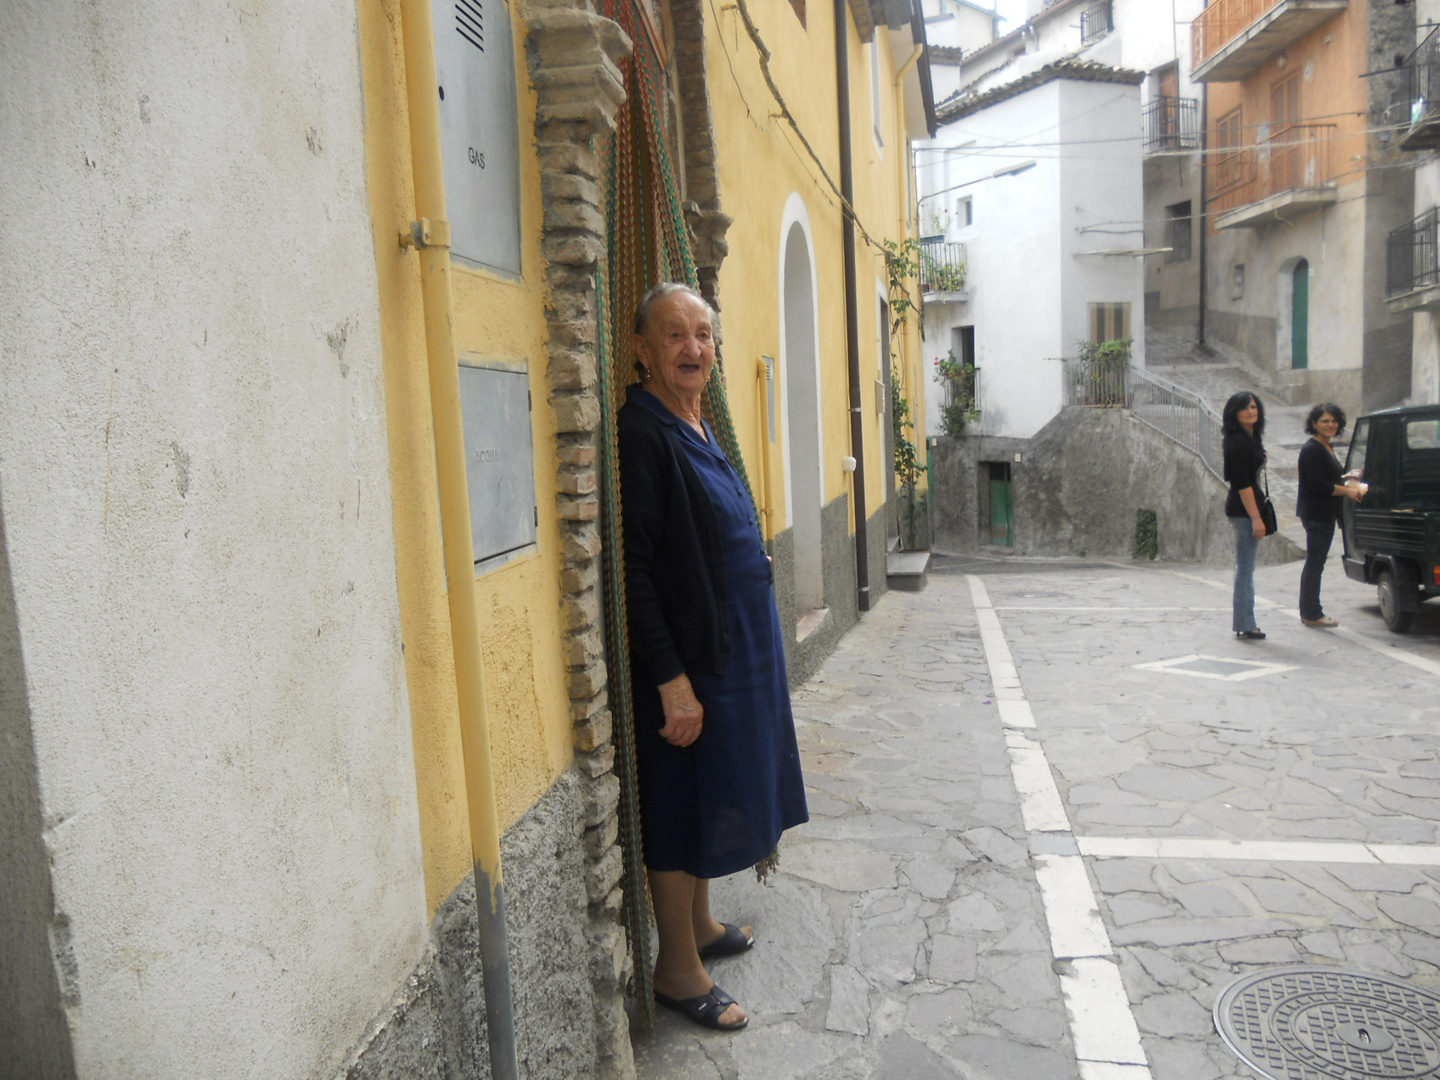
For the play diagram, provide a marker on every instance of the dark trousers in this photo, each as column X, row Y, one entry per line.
column 1318, row 535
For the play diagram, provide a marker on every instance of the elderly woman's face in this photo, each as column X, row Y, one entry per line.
column 678, row 346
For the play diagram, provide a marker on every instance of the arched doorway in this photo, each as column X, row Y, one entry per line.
column 802, row 419
column 1300, row 315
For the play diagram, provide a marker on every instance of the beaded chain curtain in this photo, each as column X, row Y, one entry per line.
column 648, row 244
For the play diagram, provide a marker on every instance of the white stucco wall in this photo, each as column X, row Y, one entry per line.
column 194, row 472
column 1102, row 204
column 1028, row 285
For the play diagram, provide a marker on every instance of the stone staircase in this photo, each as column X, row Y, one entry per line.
column 1215, row 374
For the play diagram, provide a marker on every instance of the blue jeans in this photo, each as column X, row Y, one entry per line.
column 1244, row 603
column 1318, row 537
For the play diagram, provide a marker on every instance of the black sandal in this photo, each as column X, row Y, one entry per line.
column 730, row 943
column 705, row 1010
column 1251, row 635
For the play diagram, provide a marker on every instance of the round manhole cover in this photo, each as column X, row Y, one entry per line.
column 1309, row 1023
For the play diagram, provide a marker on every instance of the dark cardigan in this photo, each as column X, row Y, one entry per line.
column 1320, row 474
column 675, row 586
column 1244, row 458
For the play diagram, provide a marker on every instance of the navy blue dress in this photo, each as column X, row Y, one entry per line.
column 720, row 804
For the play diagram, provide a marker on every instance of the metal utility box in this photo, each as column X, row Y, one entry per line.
column 499, row 455
column 479, row 132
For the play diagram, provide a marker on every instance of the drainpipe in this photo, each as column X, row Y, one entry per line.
column 430, row 235
column 1204, row 213
column 852, row 315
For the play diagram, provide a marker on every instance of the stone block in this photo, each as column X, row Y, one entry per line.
column 568, row 157
column 581, row 508
column 594, row 733
column 568, row 186
column 578, row 455
column 582, row 251
column 577, row 481
column 576, row 412
column 580, row 711
column 602, row 875
column 571, row 369
column 584, row 646
column 578, row 579
column 601, row 838
column 599, row 801
column 581, row 542
column 580, row 216
column 609, row 908
column 597, row 763
column 610, row 955
column 587, row 681
column 580, row 610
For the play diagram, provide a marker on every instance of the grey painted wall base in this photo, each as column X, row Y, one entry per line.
column 1076, row 492
column 34, row 1034
column 435, row 1027
column 837, row 557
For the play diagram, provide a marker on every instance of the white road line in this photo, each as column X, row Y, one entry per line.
column 1298, row 851
column 1112, row 608
column 1424, row 663
column 1102, row 1025
column 1075, row 927
column 1040, row 807
column 1101, row 1022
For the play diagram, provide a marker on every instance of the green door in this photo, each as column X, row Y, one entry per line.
column 1001, row 530
column 1300, row 317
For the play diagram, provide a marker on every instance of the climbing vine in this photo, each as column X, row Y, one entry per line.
column 902, row 264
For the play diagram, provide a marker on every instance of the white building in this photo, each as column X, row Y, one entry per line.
column 1022, row 176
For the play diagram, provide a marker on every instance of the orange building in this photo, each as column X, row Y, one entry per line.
column 1302, row 188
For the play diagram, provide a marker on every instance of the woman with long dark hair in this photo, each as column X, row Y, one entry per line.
column 1322, row 486
column 1243, row 425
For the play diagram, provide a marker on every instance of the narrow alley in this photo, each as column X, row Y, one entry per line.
column 1025, row 744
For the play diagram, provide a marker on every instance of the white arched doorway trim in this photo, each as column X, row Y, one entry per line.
column 797, row 214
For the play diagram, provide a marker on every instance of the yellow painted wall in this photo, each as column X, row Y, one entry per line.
column 751, row 144
column 520, row 601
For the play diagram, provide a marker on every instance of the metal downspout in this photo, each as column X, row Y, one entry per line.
column 1204, row 209
column 432, row 241
column 852, row 317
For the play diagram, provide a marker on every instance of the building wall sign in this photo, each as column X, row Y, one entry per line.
column 479, row 131
column 499, row 455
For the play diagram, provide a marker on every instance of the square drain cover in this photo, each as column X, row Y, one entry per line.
column 1322, row 1023
column 1217, row 667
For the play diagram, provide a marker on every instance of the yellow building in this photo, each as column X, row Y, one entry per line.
column 315, row 443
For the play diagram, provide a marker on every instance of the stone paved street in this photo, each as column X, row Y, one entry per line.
column 937, row 916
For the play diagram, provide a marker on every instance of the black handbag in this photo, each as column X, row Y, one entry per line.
column 1267, row 509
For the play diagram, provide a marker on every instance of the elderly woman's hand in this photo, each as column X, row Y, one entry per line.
column 683, row 712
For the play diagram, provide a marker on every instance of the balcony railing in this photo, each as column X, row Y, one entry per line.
column 942, row 266
column 1222, row 22
column 1171, row 123
column 1095, row 22
column 1412, row 255
column 1230, row 39
column 1293, row 158
column 1420, row 83
column 1177, row 413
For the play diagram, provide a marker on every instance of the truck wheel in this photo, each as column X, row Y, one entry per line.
column 1395, row 619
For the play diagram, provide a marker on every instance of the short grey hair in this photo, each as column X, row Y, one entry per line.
column 660, row 292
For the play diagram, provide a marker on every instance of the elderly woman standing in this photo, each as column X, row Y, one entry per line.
column 719, row 769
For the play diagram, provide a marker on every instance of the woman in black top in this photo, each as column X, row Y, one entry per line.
column 1321, row 489
column 1243, row 424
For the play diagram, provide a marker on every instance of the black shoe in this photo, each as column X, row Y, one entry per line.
column 1251, row 635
